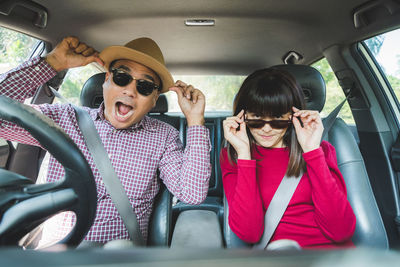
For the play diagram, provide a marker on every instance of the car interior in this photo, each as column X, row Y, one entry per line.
column 201, row 39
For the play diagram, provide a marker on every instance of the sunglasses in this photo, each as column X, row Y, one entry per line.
column 122, row 78
column 276, row 124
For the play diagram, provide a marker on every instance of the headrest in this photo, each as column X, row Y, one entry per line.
column 161, row 105
column 92, row 91
column 312, row 83
column 92, row 94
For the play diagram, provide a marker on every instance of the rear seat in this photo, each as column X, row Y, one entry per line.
column 214, row 200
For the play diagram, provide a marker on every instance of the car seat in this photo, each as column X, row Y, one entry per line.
column 159, row 232
column 370, row 230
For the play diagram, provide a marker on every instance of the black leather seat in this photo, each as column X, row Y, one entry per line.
column 214, row 200
column 370, row 231
column 159, row 233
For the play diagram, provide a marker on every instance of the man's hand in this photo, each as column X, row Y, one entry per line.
column 191, row 101
column 70, row 53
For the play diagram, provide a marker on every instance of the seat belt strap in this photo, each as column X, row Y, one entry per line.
column 110, row 178
column 277, row 208
column 286, row 189
column 330, row 119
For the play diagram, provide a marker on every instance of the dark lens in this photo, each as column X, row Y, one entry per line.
column 276, row 124
column 145, row 87
column 255, row 123
column 121, row 78
column 279, row 124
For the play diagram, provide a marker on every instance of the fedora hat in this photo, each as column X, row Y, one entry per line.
column 144, row 51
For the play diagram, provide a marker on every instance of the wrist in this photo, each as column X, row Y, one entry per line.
column 195, row 121
column 308, row 149
column 244, row 154
column 53, row 62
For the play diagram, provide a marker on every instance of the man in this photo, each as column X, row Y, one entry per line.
column 137, row 145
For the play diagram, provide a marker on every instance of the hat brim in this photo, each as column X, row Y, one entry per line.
column 112, row 53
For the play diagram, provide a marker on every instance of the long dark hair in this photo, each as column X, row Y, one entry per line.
column 271, row 93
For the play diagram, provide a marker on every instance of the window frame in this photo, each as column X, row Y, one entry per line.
column 381, row 79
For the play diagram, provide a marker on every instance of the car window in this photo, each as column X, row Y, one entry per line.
column 219, row 90
column 385, row 49
column 15, row 48
column 334, row 93
column 74, row 80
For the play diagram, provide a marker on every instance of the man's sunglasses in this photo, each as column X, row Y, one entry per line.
column 122, row 78
column 276, row 124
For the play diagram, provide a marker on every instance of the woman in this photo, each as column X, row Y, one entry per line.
column 272, row 136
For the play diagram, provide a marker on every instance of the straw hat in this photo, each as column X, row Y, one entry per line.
column 144, row 51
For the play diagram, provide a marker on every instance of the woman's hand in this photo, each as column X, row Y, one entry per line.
column 309, row 135
column 235, row 133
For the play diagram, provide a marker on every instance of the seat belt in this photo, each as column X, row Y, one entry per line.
column 277, row 208
column 330, row 119
column 110, row 178
column 286, row 189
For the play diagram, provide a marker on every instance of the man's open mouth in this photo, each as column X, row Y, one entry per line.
column 123, row 111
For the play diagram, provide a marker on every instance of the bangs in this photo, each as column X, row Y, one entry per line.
column 269, row 98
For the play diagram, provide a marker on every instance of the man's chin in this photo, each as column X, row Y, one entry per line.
column 121, row 125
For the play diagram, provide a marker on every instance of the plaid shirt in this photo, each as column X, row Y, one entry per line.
column 136, row 154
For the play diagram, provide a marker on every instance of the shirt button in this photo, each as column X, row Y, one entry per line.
column 205, row 136
column 37, row 68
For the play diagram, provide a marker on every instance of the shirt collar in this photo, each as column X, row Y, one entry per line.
column 146, row 123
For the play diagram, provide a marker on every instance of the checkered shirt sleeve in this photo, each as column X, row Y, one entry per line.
column 186, row 173
column 19, row 84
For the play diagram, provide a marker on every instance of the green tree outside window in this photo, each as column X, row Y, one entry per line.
column 15, row 48
column 334, row 93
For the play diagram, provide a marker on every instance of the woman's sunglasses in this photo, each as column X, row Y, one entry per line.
column 276, row 124
column 144, row 87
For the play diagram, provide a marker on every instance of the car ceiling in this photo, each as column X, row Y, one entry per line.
column 247, row 34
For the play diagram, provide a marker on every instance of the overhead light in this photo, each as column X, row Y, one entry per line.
column 200, row 22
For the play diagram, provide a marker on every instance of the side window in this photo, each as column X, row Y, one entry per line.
column 334, row 93
column 385, row 49
column 74, row 80
column 15, row 48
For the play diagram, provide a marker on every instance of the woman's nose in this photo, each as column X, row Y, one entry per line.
column 266, row 127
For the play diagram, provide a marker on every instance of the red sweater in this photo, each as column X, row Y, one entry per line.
column 318, row 215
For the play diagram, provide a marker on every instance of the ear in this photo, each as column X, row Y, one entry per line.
column 155, row 98
column 108, row 74
column 107, row 80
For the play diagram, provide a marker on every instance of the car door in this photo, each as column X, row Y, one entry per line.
column 382, row 55
column 15, row 48
column 375, row 109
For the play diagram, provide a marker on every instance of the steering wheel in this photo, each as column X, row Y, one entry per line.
column 23, row 205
